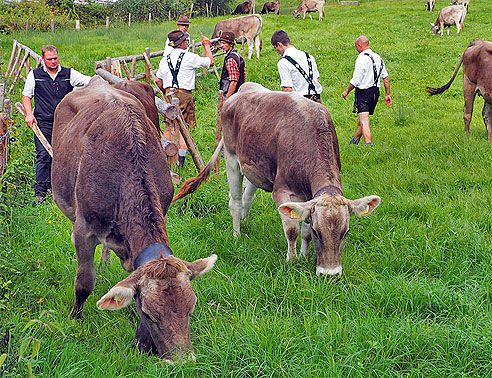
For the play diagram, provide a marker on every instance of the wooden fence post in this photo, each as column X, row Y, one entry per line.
column 11, row 61
column 147, row 66
column 27, row 25
column 150, row 17
column 191, row 10
column 2, row 95
column 134, row 62
column 218, row 128
column 108, row 64
column 129, row 19
column 52, row 25
column 107, row 22
column 77, row 25
column 4, row 121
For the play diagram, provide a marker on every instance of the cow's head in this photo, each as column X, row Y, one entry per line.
column 435, row 28
column 329, row 216
column 296, row 14
column 165, row 301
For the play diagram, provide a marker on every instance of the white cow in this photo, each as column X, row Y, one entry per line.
column 308, row 6
column 448, row 16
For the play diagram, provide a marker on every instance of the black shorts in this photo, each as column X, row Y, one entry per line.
column 366, row 100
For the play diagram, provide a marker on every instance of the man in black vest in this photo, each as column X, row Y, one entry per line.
column 48, row 85
column 233, row 74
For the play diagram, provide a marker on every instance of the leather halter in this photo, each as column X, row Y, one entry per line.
column 329, row 189
column 151, row 252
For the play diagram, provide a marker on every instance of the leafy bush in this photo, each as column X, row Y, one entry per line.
column 39, row 14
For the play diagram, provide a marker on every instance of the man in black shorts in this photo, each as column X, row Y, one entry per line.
column 368, row 72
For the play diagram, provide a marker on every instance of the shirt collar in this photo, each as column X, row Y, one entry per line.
column 290, row 48
column 45, row 70
column 366, row 51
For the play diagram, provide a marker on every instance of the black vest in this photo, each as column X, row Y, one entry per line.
column 48, row 92
column 224, row 78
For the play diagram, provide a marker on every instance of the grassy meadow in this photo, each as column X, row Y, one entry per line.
column 415, row 296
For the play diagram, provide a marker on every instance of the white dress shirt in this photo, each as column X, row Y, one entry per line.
column 363, row 77
column 186, row 74
column 291, row 77
column 76, row 80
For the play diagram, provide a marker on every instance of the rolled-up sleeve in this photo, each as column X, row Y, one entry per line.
column 77, row 79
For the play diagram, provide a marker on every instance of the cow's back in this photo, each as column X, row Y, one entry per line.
column 249, row 24
column 108, row 165
column 477, row 63
column 279, row 135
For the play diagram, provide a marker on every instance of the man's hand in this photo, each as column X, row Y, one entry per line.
column 345, row 94
column 30, row 119
column 387, row 100
column 205, row 40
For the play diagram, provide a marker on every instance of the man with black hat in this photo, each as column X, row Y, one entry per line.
column 233, row 74
column 183, row 25
column 177, row 70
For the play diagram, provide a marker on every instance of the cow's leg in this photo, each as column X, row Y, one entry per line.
column 257, row 41
column 250, row 47
column 235, row 180
column 248, row 197
column 469, row 94
column 291, row 227
column 487, row 119
column 310, row 17
column 85, row 244
column 305, row 238
column 304, row 17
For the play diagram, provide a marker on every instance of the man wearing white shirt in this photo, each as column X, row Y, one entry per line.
column 48, row 85
column 298, row 70
column 368, row 72
column 177, row 70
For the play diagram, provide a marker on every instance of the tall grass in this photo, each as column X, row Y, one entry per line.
column 415, row 296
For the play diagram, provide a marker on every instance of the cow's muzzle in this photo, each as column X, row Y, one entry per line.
column 328, row 271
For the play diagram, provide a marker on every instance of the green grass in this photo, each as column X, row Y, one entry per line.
column 415, row 296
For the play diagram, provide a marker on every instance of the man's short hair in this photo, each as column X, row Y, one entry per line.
column 280, row 36
column 48, row 48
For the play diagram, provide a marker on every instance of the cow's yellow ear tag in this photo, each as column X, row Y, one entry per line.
column 365, row 212
column 294, row 214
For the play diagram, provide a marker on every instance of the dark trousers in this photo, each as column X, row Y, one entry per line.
column 43, row 161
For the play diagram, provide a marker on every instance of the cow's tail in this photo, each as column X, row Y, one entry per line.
column 260, row 27
column 192, row 184
column 435, row 91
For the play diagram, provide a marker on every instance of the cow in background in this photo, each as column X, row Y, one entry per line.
column 248, row 27
column 308, row 6
column 477, row 79
column 448, row 16
column 465, row 3
column 286, row 144
column 429, row 5
column 110, row 177
column 245, row 8
column 271, row 6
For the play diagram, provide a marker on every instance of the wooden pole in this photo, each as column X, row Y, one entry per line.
column 169, row 16
column 127, row 71
column 173, row 131
column 4, row 121
column 16, row 61
column 195, row 154
column 107, row 22
column 129, row 19
column 26, row 57
column 218, row 128
column 117, row 68
column 206, row 7
column 27, row 25
column 108, row 64
column 134, row 62
column 77, row 25
column 36, row 130
column 2, row 95
column 28, row 65
column 147, row 65
column 52, row 25
column 11, row 61
column 150, row 17
column 191, row 10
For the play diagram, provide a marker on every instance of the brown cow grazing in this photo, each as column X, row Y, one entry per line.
column 308, row 6
column 477, row 79
column 245, row 8
column 249, row 27
column 448, row 16
column 270, row 150
column 271, row 6
column 429, row 5
column 110, row 178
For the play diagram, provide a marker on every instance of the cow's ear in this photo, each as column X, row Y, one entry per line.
column 120, row 295
column 295, row 210
column 201, row 266
column 364, row 206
